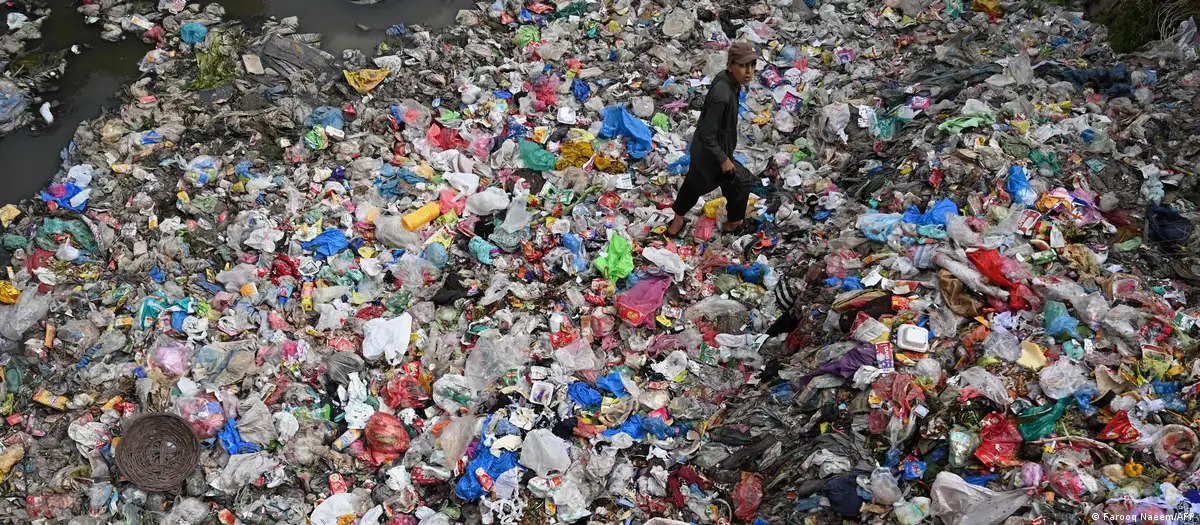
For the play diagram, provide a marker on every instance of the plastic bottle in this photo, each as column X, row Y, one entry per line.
column 424, row 215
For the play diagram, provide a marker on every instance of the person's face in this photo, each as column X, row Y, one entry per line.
column 741, row 73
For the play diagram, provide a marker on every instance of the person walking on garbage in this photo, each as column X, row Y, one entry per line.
column 713, row 143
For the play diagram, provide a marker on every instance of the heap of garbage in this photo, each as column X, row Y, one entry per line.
column 430, row 283
column 26, row 71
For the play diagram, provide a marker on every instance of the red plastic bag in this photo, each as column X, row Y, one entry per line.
column 999, row 442
column 386, row 437
column 1119, row 429
column 746, row 496
column 405, row 391
column 638, row 305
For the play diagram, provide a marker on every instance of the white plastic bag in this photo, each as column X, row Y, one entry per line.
column 487, row 202
column 884, row 489
column 957, row 502
column 388, row 337
column 669, row 261
column 1061, row 379
column 544, row 452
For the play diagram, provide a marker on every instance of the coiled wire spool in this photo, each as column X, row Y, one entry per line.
column 157, row 452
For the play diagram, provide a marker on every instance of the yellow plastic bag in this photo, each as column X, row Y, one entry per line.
column 365, row 80
column 9, row 293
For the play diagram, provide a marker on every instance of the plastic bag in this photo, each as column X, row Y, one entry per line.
column 491, row 200
column 619, row 122
column 170, row 358
column 386, row 437
column 387, row 337
column 911, row 512
column 999, row 442
column 1176, row 448
column 536, row 158
column 1018, row 187
column 639, row 305
column 1043, row 420
column 616, row 261
column 957, row 502
column 17, row 319
column 884, row 489
column 987, row 384
column 1003, row 344
column 543, row 452
column 577, row 357
column 669, row 261
column 878, row 226
column 204, row 415
column 1061, row 379
column 747, row 495
column 202, row 170
column 491, row 359
column 1058, row 322
column 455, row 437
column 405, row 391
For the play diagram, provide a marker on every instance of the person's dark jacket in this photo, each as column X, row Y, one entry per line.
column 716, row 133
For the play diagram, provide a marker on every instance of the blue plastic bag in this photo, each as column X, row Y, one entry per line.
column 325, row 116
column 632, row 426
column 574, row 244
column 878, row 226
column 612, row 383
column 680, row 166
column 584, row 395
column 231, row 439
column 1018, row 187
column 193, row 33
column 469, row 488
column 936, row 215
column 65, row 200
column 328, row 243
column 619, row 122
column 436, row 254
column 482, row 249
column 582, row 90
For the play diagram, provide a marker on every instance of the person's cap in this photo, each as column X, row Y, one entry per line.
column 742, row 53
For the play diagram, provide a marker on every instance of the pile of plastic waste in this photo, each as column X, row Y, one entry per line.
column 430, row 283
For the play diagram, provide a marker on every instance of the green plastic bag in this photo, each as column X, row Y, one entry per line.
column 536, row 158
column 1044, row 159
column 617, row 261
column 316, row 139
column 12, row 242
column 526, row 35
column 661, row 121
column 1038, row 422
column 958, row 124
column 79, row 232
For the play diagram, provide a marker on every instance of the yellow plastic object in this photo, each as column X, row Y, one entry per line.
column 425, row 215
column 712, row 207
column 9, row 293
column 365, row 80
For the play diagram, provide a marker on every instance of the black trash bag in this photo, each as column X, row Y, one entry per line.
column 1166, row 228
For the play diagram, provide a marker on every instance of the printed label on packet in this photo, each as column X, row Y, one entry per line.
column 884, row 356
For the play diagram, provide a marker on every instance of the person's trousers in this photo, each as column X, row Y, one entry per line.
column 735, row 187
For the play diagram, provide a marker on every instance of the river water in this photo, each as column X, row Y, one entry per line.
column 29, row 159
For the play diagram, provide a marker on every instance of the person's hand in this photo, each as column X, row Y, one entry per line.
column 728, row 166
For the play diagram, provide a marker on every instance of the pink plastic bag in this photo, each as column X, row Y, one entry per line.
column 171, row 359
column 638, row 305
column 448, row 202
column 704, row 228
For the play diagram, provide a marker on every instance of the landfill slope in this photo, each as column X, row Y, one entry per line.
column 431, row 282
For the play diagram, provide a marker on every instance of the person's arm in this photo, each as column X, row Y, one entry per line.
column 708, row 129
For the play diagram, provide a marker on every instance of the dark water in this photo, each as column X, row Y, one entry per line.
column 28, row 159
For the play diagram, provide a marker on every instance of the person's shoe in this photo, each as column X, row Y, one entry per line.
column 682, row 228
